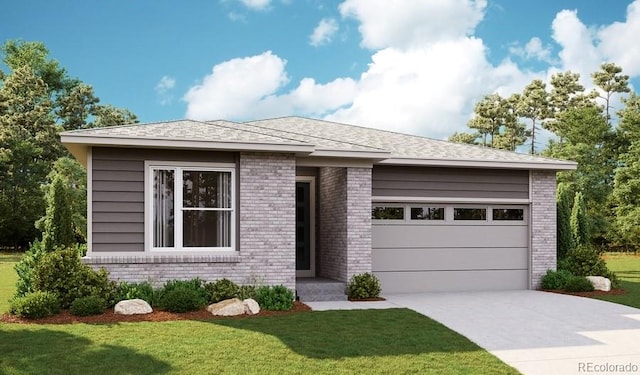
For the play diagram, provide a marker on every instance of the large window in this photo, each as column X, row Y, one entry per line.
column 191, row 208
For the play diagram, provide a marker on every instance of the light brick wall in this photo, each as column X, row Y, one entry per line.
column 266, row 232
column 332, row 223
column 543, row 224
column 344, row 233
column 358, row 221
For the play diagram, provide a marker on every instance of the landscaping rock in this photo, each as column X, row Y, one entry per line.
column 132, row 307
column 229, row 307
column 600, row 283
column 251, row 307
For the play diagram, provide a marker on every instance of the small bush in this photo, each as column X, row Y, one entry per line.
column 90, row 305
column 63, row 273
column 35, row 305
column 584, row 260
column 277, row 298
column 181, row 300
column 24, row 268
column 578, row 284
column 555, row 279
column 221, row 290
column 246, row 291
column 363, row 286
column 126, row 290
column 182, row 295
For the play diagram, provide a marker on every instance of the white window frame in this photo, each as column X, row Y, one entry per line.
column 179, row 167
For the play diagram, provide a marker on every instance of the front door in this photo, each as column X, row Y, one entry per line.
column 305, row 227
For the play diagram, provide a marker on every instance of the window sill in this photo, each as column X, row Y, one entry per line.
column 160, row 258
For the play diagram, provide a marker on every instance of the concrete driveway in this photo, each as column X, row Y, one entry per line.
column 538, row 332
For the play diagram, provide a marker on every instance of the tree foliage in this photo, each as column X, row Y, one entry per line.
column 564, row 239
column 58, row 220
column 579, row 225
column 38, row 99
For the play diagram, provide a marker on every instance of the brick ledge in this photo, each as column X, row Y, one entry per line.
column 161, row 259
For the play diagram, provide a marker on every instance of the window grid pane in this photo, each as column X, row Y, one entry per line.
column 163, row 208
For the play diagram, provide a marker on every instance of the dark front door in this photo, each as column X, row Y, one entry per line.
column 304, row 237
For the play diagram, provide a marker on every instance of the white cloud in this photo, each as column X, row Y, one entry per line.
column 324, row 32
column 247, row 88
column 426, row 72
column 534, row 49
column 256, row 4
column 163, row 89
column 619, row 41
column 413, row 23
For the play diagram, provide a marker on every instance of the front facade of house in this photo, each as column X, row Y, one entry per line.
column 272, row 200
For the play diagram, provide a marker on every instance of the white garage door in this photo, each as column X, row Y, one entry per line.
column 450, row 247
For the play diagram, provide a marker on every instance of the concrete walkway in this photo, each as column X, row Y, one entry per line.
column 535, row 332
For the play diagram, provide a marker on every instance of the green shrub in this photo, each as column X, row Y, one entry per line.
column 246, row 291
column 182, row 295
column 24, row 268
column 63, row 273
column 362, row 286
column 126, row 290
column 181, row 300
column 578, row 284
column 90, row 305
column 35, row 305
column 584, row 260
column 555, row 279
column 221, row 290
column 277, row 298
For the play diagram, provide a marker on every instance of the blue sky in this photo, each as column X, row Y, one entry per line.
column 418, row 66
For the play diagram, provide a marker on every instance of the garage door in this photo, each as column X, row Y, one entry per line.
column 450, row 247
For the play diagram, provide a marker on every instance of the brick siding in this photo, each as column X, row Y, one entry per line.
column 267, row 234
column 344, row 228
column 543, row 224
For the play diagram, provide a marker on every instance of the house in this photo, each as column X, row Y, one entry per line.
column 279, row 199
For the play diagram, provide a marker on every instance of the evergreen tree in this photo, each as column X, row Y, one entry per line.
column 579, row 225
column 58, row 221
column 564, row 238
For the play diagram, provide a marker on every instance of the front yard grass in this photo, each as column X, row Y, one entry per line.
column 8, row 278
column 395, row 341
column 627, row 267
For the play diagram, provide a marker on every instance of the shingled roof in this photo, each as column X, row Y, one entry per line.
column 306, row 137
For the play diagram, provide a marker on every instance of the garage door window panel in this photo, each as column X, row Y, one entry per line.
column 387, row 213
column 508, row 214
column 427, row 213
column 469, row 214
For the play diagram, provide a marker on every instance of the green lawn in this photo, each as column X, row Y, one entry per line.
column 627, row 267
column 396, row 341
column 8, row 279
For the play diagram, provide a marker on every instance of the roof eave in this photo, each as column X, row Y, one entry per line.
column 557, row 166
column 373, row 155
column 71, row 139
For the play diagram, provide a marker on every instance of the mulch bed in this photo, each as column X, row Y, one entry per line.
column 156, row 316
column 613, row 292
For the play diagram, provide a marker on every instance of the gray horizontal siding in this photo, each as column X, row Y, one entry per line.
column 430, row 182
column 118, row 193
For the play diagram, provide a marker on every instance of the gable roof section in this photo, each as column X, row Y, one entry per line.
column 408, row 149
column 304, row 137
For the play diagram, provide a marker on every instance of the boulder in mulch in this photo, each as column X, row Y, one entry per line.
column 251, row 307
column 132, row 307
column 600, row 283
column 229, row 307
